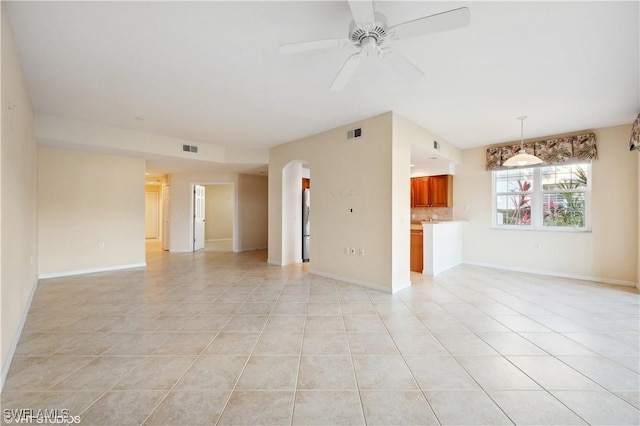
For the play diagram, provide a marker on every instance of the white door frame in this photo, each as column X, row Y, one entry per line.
column 235, row 209
column 166, row 217
column 199, row 206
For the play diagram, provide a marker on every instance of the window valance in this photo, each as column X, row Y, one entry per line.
column 552, row 151
column 634, row 143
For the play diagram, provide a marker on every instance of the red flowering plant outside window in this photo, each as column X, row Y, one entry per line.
column 513, row 197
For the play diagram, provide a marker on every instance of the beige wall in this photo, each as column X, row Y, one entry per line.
column 219, row 207
column 608, row 253
column 351, row 201
column 360, row 199
column 637, row 154
column 252, row 212
column 85, row 199
column 18, row 201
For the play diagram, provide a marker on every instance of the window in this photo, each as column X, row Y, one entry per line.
column 542, row 198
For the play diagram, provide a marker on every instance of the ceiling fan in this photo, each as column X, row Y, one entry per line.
column 369, row 33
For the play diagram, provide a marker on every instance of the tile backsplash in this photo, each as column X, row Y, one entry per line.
column 435, row 213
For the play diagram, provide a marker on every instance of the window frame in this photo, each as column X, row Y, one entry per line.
column 537, row 200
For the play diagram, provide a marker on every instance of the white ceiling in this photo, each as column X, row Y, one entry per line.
column 210, row 72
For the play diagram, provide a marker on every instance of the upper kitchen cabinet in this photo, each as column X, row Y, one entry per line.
column 441, row 191
column 419, row 192
column 432, row 191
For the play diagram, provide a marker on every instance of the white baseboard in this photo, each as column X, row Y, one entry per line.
column 554, row 274
column 16, row 338
column 250, row 249
column 351, row 281
column 91, row 271
column 401, row 287
column 281, row 263
column 219, row 239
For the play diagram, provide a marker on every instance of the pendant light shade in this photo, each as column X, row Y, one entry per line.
column 522, row 158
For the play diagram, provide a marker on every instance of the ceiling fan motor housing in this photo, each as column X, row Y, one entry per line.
column 377, row 30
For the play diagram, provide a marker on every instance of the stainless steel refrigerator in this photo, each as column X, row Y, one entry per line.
column 306, row 211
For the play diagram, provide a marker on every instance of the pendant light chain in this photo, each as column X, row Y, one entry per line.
column 522, row 158
column 522, row 118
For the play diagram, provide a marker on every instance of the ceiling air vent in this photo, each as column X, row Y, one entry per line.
column 436, row 145
column 355, row 133
column 190, row 148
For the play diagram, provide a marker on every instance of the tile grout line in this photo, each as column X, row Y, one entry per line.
column 509, row 361
column 198, row 357
column 461, row 366
column 404, row 360
column 353, row 365
column 304, row 329
column 226, row 404
column 180, row 377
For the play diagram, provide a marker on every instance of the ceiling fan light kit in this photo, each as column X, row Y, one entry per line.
column 522, row 159
column 369, row 31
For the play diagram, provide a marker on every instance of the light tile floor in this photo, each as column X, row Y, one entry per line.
column 224, row 338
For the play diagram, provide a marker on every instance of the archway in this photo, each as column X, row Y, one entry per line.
column 292, row 217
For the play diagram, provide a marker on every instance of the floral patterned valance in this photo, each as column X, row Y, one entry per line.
column 634, row 144
column 552, row 151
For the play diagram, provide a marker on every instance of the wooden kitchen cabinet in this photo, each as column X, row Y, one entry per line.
column 420, row 192
column 416, row 251
column 432, row 191
column 441, row 191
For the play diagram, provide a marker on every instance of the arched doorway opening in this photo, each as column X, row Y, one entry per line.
column 296, row 223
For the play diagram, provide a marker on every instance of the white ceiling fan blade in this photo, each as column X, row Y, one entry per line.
column 346, row 72
column 450, row 20
column 312, row 45
column 401, row 65
column 362, row 11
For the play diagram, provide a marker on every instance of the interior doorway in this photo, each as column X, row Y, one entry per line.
column 214, row 216
column 157, row 211
column 296, row 222
column 198, row 217
column 151, row 215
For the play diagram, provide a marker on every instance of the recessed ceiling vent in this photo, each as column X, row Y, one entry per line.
column 436, row 145
column 355, row 133
column 190, row 148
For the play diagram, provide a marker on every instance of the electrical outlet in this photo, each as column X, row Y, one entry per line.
column 536, row 245
column 353, row 251
column 360, row 252
column 346, row 250
column 101, row 244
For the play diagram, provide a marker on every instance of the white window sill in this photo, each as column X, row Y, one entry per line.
column 547, row 229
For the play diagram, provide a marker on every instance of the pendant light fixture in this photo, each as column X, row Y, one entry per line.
column 522, row 158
